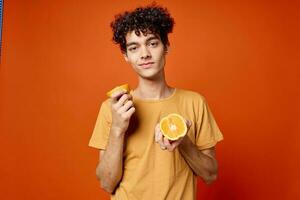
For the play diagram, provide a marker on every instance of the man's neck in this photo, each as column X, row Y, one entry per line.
column 152, row 89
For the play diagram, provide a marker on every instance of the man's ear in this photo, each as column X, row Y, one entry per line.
column 167, row 49
column 125, row 56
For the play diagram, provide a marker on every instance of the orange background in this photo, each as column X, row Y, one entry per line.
column 58, row 61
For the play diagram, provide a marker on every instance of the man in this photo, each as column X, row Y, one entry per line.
column 137, row 161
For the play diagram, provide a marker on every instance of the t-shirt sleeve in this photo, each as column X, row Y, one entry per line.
column 101, row 130
column 207, row 130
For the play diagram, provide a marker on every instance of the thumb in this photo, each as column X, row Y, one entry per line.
column 116, row 96
column 188, row 123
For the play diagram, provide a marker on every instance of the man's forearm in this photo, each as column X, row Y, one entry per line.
column 110, row 168
column 202, row 165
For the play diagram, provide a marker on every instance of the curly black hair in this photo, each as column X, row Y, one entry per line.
column 149, row 19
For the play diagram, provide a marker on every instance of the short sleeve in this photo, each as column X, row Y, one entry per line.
column 208, row 133
column 101, row 130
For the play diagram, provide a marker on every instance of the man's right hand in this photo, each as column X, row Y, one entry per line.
column 122, row 109
column 110, row 169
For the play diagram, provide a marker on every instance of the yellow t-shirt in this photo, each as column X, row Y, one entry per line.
column 150, row 172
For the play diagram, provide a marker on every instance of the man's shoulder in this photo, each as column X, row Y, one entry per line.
column 105, row 104
column 190, row 94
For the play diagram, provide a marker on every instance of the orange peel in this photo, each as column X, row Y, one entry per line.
column 173, row 126
column 121, row 88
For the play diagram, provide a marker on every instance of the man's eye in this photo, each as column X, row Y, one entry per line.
column 153, row 44
column 132, row 49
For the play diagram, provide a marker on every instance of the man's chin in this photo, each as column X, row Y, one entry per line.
column 149, row 76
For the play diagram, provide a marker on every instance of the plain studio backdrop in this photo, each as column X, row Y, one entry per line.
column 58, row 61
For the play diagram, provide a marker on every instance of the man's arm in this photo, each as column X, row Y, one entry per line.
column 202, row 162
column 110, row 168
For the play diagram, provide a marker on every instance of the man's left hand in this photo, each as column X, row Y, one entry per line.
column 165, row 143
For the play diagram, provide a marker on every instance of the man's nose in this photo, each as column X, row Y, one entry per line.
column 145, row 53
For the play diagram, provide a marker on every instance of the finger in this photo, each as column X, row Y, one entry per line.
column 122, row 100
column 163, row 147
column 116, row 96
column 188, row 123
column 156, row 132
column 126, row 106
column 130, row 112
column 175, row 143
column 160, row 139
column 167, row 143
column 129, row 96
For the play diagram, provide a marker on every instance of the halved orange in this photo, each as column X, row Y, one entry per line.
column 173, row 126
column 124, row 87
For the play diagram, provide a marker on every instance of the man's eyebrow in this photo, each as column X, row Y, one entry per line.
column 135, row 43
column 131, row 43
column 152, row 38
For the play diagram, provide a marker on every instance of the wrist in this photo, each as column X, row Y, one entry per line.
column 184, row 143
column 117, row 132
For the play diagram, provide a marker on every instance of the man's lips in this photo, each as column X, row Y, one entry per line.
column 146, row 65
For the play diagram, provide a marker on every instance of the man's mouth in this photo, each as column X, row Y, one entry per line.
column 146, row 65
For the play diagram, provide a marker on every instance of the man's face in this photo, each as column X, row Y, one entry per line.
column 146, row 54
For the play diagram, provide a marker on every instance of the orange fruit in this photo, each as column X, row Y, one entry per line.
column 120, row 88
column 173, row 126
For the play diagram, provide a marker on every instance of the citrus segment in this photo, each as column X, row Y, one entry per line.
column 120, row 88
column 173, row 126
